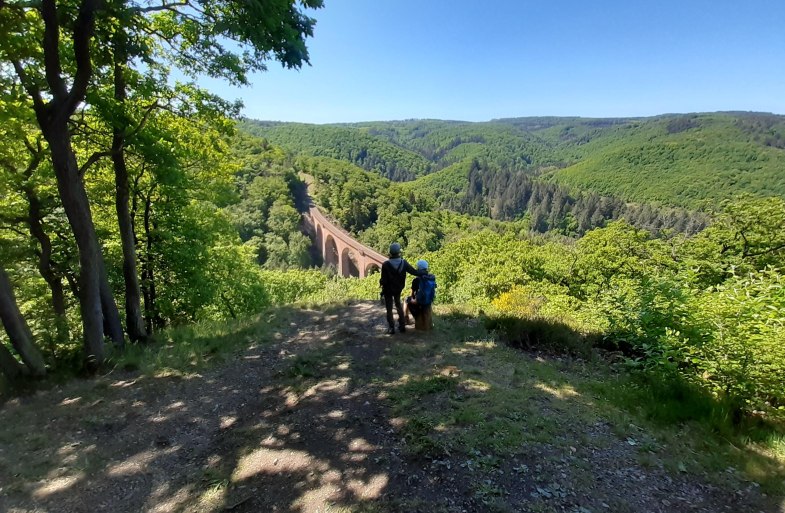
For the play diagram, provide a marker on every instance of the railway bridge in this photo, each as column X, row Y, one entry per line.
column 340, row 250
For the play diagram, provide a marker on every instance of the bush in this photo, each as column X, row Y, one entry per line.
column 739, row 351
column 548, row 302
column 539, row 333
column 294, row 285
column 342, row 289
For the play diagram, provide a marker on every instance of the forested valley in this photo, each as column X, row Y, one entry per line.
column 132, row 207
column 651, row 277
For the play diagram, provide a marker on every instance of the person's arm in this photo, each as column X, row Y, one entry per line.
column 411, row 270
column 383, row 277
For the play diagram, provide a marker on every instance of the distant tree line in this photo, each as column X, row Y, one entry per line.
column 508, row 195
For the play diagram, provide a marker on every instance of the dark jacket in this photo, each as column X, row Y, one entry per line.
column 393, row 278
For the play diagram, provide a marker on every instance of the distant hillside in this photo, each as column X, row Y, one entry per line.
column 419, row 146
column 446, row 142
column 679, row 160
column 343, row 143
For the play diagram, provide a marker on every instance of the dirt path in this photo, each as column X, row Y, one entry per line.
column 311, row 422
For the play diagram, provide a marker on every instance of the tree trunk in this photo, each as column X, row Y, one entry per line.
column 133, row 310
column 113, row 328
column 77, row 209
column 228, row 305
column 17, row 329
column 45, row 265
column 53, row 110
column 9, row 366
column 153, row 320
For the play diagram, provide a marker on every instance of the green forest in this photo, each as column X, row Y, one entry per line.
column 133, row 206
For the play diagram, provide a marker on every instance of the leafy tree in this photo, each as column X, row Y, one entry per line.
column 57, row 75
column 57, row 86
column 30, row 193
column 18, row 332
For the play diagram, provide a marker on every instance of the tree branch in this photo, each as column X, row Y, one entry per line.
column 146, row 116
column 163, row 7
column 51, row 45
column 766, row 251
column 16, row 230
column 29, row 145
column 13, row 219
column 37, row 157
column 28, row 86
column 83, row 33
column 95, row 157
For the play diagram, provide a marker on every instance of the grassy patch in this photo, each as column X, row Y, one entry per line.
column 420, row 387
column 306, row 366
column 472, row 397
column 467, row 395
column 186, row 349
column 689, row 421
column 424, row 437
column 540, row 333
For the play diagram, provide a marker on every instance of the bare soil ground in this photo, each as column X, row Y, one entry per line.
column 330, row 414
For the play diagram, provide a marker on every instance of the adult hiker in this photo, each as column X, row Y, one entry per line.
column 393, row 281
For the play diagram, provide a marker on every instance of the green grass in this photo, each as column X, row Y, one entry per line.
column 688, row 421
column 182, row 350
column 469, row 395
column 457, row 393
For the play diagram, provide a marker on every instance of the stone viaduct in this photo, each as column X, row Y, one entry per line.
column 340, row 250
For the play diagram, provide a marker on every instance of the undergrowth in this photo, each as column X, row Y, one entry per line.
column 186, row 349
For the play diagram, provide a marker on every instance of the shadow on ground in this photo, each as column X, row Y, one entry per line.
column 329, row 414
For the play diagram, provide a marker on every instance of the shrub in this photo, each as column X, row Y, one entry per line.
column 342, row 289
column 739, row 352
column 548, row 302
column 539, row 333
column 293, row 285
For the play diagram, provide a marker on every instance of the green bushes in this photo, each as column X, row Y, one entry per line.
column 342, row 289
column 739, row 348
column 539, row 333
column 293, row 285
column 720, row 332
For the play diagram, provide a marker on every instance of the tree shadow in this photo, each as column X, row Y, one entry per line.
column 324, row 411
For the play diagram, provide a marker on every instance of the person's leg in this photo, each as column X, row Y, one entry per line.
column 414, row 309
column 401, row 318
column 388, row 303
column 406, row 309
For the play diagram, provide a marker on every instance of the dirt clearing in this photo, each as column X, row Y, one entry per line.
column 330, row 414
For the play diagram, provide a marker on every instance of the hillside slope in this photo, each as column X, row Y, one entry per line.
column 686, row 161
column 343, row 143
column 678, row 160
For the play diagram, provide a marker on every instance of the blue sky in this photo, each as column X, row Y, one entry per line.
column 474, row 61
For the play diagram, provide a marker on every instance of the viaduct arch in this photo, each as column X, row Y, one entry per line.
column 340, row 250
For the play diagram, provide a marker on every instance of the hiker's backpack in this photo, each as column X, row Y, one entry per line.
column 426, row 292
